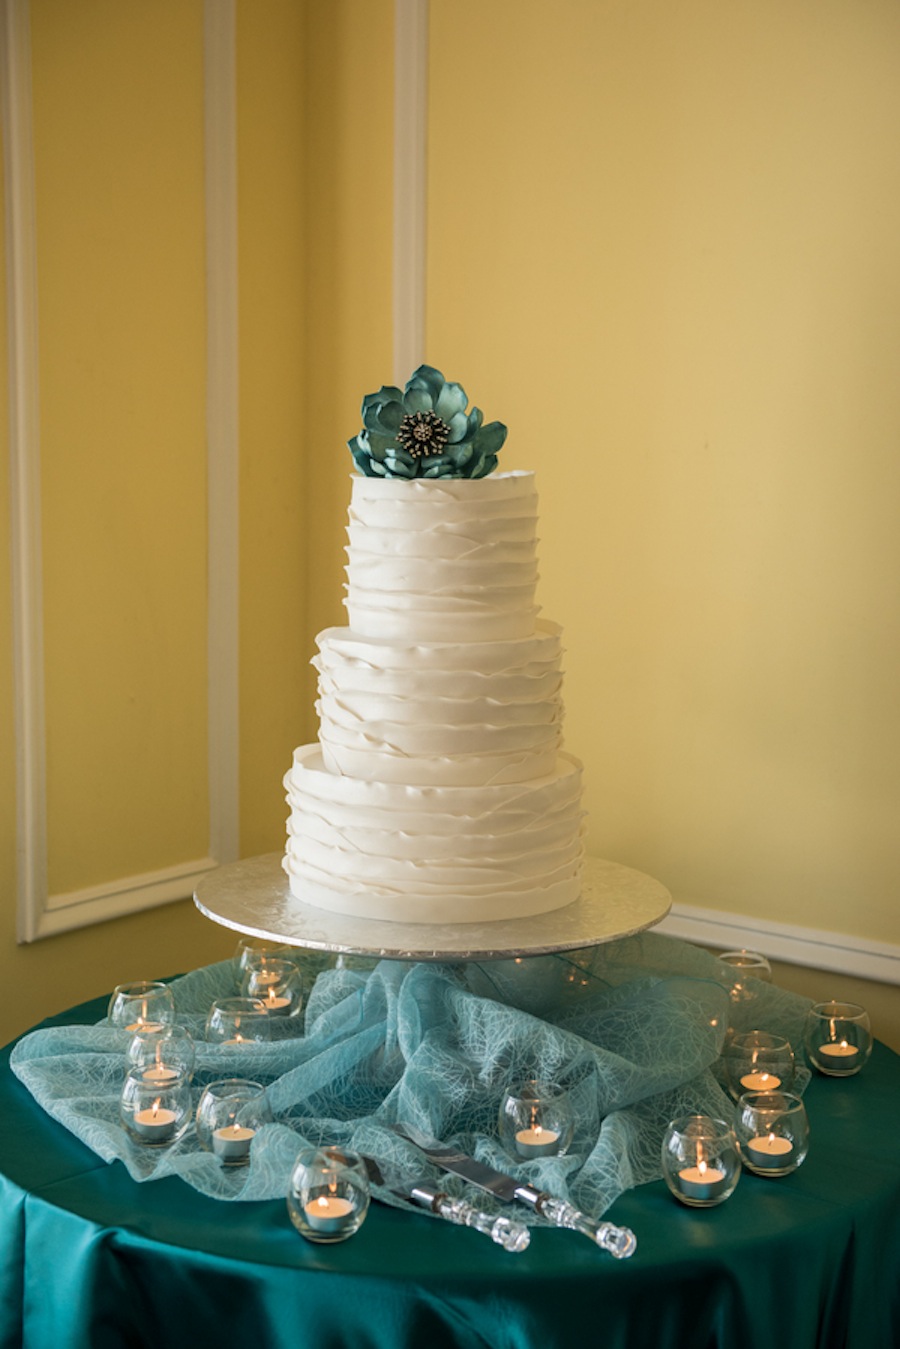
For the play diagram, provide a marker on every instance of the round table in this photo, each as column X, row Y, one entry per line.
column 93, row 1260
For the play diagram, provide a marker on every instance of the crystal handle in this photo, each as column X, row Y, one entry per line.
column 618, row 1241
column 512, row 1236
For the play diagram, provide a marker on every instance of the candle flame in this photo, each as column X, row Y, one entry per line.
column 156, row 1104
column 771, row 1137
column 844, row 1045
column 322, row 1201
column 701, row 1167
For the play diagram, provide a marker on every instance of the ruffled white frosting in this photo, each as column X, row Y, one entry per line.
column 433, row 560
column 440, row 713
column 438, row 792
column 433, row 854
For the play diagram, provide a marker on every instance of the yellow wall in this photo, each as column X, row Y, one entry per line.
column 118, row 160
column 118, row 154
column 118, row 122
column 272, row 166
column 661, row 247
column 348, row 297
column 668, row 258
column 315, row 265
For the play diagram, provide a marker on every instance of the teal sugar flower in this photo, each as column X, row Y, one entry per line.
column 424, row 431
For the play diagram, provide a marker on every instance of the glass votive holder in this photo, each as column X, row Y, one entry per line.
column 328, row 1196
column 838, row 1038
column 275, row 982
column 142, row 1006
column 162, row 1055
column 154, row 1114
column 748, row 962
column 772, row 1130
column 759, row 1061
column 237, row 1021
column 535, row 1120
column 249, row 948
column 229, row 1114
column 745, row 970
column 700, row 1160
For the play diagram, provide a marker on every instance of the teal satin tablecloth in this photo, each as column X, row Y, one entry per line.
column 91, row 1260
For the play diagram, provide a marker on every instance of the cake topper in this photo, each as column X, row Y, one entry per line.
column 424, row 431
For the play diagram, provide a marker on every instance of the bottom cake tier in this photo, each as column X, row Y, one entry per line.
column 433, row 854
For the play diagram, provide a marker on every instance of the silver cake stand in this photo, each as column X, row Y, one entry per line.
column 253, row 897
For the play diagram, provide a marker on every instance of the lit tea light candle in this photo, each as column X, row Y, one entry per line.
column 232, row 1142
column 537, row 1142
column 156, row 1124
column 329, row 1213
column 769, row 1153
column 275, row 1004
column 159, row 1073
column 143, row 1023
column 841, row 1055
column 759, row 1081
column 701, row 1182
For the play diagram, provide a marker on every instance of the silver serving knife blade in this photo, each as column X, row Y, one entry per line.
column 618, row 1241
column 512, row 1236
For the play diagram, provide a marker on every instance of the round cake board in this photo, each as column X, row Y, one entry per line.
column 253, row 897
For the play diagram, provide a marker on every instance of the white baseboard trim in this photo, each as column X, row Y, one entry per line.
column 832, row 951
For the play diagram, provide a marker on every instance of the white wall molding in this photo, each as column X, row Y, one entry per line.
column 223, row 487
column 41, row 914
column 410, row 184
column 127, row 894
column 820, row 950
column 25, row 470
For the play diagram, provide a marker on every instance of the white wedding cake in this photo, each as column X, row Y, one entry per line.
column 438, row 791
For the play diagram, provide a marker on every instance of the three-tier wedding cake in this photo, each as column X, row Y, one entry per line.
column 437, row 791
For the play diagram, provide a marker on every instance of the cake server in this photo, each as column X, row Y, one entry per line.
column 618, row 1241
column 511, row 1235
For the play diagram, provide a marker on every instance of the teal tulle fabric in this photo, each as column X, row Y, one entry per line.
column 632, row 1031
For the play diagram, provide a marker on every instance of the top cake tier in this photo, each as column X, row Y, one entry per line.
column 443, row 560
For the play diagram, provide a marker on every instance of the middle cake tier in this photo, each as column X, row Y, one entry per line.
column 440, row 713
